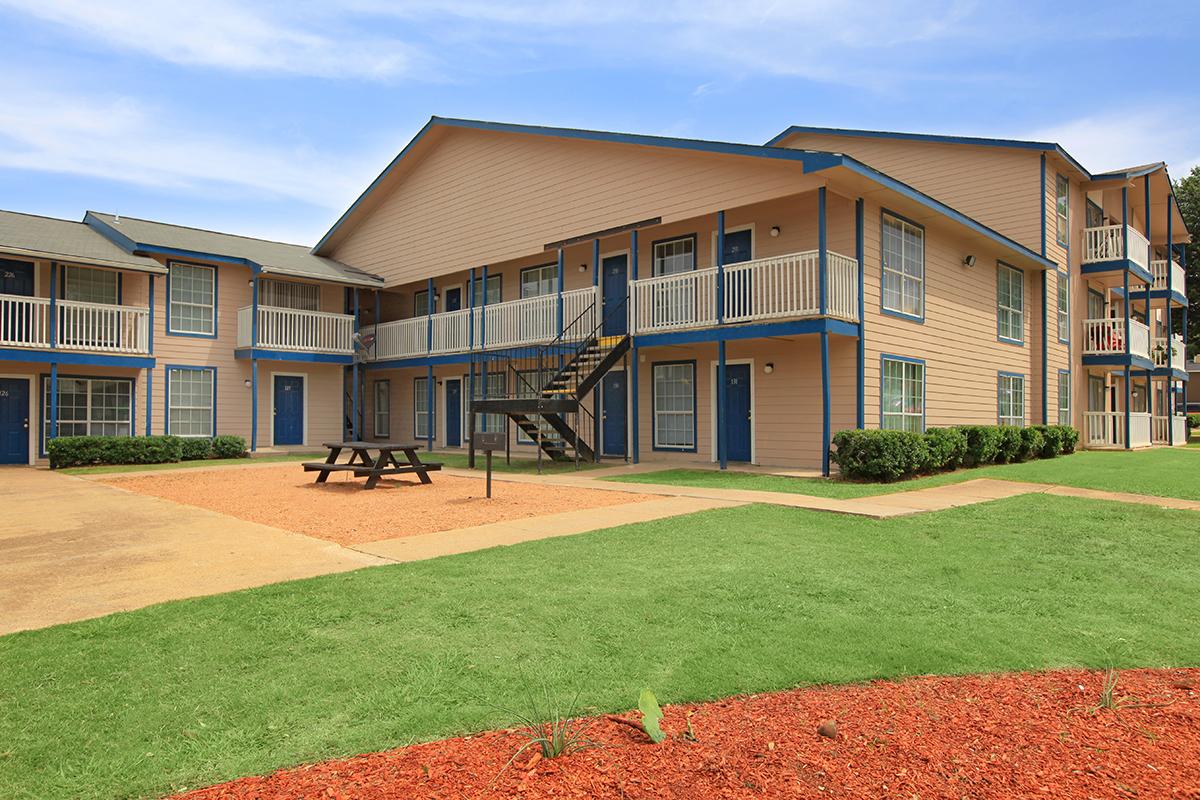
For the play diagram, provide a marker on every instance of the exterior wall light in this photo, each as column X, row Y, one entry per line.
column 774, row 230
column 969, row 261
column 769, row 367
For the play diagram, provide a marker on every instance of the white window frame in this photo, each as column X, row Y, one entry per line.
column 1064, row 397
column 381, row 424
column 421, row 390
column 491, row 423
column 657, row 259
column 211, row 408
column 1064, row 307
column 1062, row 210
column 88, row 421
column 416, row 305
column 912, row 374
column 173, row 280
column 656, row 412
column 546, row 282
column 909, row 274
column 71, row 274
column 1008, row 386
column 296, row 295
column 480, row 290
column 1008, row 315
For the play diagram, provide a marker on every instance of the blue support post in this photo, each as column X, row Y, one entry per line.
column 483, row 342
column 1042, row 204
column 722, row 417
column 254, row 364
column 826, row 432
column 356, row 433
column 720, row 261
column 1170, row 410
column 1146, row 188
column 633, row 255
column 429, row 316
column 1125, row 304
column 150, row 320
column 822, row 250
column 53, row 402
column 559, row 306
column 149, row 399
column 633, row 405
column 53, row 306
column 1045, row 353
column 595, row 262
column 1125, row 227
column 860, row 418
column 430, row 400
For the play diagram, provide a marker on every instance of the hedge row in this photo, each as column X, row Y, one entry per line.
column 82, row 451
column 878, row 455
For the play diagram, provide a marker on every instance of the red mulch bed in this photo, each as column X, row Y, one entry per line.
column 991, row 736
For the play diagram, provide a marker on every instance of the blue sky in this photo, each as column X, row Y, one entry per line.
column 268, row 119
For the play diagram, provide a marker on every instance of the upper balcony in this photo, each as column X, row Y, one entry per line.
column 25, row 322
column 293, row 331
column 1178, row 277
column 1172, row 358
column 1107, row 244
column 787, row 286
column 1107, row 337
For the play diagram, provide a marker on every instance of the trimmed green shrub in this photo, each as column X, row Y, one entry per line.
column 227, row 446
column 983, row 443
column 1032, row 441
column 1009, row 447
column 947, row 446
column 877, row 455
column 80, row 451
column 1069, row 438
column 1193, row 421
column 195, row 449
column 1052, row 440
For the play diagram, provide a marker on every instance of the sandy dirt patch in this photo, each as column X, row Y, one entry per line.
column 342, row 511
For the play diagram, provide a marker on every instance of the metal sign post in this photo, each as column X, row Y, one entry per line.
column 488, row 442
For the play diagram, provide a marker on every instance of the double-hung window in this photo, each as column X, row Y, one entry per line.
column 290, row 294
column 537, row 281
column 90, row 407
column 1064, row 397
column 493, row 290
column 903, row 395
column 1064, row 307
column 193, row 299
column 1062, row 209
column 903, row 267
column 422, row 408
column 1010, row 303
column 87, row 285
column 421, row 303
column 383, row 408
column 675, row 406
column 190, row 403
column 673, row 256
column 1011, row 399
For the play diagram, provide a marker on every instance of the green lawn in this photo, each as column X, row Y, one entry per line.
column 522, row 464
column 211, row 462
column 1161, row 472
column 744, row 599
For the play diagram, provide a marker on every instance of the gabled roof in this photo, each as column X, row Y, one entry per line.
column 979, row 141
column 811, row 160
column 64, row 240
column 261, row 255
column 1128, row 173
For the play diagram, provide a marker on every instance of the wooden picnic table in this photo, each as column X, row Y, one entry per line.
column 362, row 463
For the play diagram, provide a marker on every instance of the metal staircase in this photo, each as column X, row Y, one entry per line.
column 544, row 387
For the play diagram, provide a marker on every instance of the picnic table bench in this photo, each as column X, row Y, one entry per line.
column 362, row 463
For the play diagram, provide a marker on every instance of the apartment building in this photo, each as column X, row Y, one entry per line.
column 603, row 295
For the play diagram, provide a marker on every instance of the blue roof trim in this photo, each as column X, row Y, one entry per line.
column 48, row 356
column 264, row 354
column 1129, row 174
column 980, row 141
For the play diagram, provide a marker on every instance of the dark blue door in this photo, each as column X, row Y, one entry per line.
column 615, row 287
column 453, row 413
column 737, row 411
column 453, row 299
column 16, row 321
column 289, row 409
column 739, row 285
column 14, row 421
column 612, row 398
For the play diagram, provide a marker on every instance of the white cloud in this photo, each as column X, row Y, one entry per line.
column 121, row 139
column 1127, row 138
column 229, row 35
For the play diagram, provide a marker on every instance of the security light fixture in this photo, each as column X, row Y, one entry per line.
column 583, row 267
column 247, row 382
column 774, row 230
column 769, row 367
column 969, row 261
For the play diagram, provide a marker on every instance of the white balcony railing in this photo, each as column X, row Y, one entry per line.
column 1107, row 429
column 532, row 320
column 297, row 331
column 1159, row 270
column 1163, row 426
column 766, row 288
column 1174, row 357
column 93, row 327
column 1107, row 243
column 1107, row 337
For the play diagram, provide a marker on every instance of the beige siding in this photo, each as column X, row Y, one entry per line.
column 996, row 185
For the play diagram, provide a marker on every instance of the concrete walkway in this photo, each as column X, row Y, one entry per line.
column 71, row 549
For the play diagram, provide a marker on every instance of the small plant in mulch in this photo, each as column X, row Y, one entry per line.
column 652, row 716
column 551, row 728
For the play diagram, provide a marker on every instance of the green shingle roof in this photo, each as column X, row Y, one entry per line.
column 34, row 236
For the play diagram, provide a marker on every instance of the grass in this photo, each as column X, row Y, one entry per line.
column 209, row 462
column 521, row 464
column 1162, row 472
column 745, row 599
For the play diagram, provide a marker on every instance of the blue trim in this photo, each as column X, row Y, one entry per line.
column 1117, row 265
column 1117, row 360
column 244, row 353
column 720, row 262
column 67, row 357
column 1045, row 350
column 430, row 399
column 558, row 307
column 53, row 404
column 906, row 359
column 722, row 417
column 419, row 361
column 1128, row 400
column 1129, row 174
column 53, row 308
column 150, row 302
column 40, row 398
column 595, row 262
column 695, row 409
column 918, row 318
column 633, row 254
column 862, row 312
column 1043, row 203
column 1146, row 188
column 167, row 395
column 149, row 401
column 1018, row 144
column 823, row 258
column 356, row 396
column 634, row 433
column 826, row 416
column 729, row 333
column 216, row 300
column 1024, row 392
column 1000, row 266
column 1170, row 372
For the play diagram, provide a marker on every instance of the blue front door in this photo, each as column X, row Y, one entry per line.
column 16, row 322
column 737, row 411
column 289, row 409
column 739, row 285
column 615, row 286
column 14, row 421
column 453, row 412
column 612, row 396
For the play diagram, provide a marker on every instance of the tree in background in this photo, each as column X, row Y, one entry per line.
column 1187, row 192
